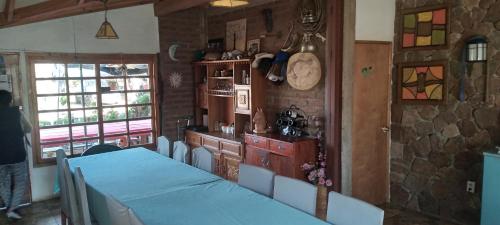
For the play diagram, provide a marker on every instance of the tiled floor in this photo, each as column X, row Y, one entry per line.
column 47, row 213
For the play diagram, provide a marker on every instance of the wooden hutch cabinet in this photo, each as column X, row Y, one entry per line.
column 229, row 97
column 283, row 155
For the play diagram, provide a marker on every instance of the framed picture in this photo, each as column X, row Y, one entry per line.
column 243, row 100
column 425, row 28
column 422, row 83
column 236, row 35
column 253, row 47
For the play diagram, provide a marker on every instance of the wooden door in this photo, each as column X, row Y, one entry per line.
column 370, row 140
column 256, row 157
column 231, row 168
column 281, row 165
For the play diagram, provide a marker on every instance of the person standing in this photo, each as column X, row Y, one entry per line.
column 13, row 163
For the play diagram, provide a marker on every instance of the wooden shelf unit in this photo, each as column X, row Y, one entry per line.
column 227, row 99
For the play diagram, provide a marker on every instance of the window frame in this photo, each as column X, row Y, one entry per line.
column 96, row 59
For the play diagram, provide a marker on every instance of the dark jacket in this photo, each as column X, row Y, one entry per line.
column 11, row 137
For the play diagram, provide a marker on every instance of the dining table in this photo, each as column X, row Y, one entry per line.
column 162, row 191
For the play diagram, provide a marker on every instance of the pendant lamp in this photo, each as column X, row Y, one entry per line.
column 106, row 31
column 228, row 3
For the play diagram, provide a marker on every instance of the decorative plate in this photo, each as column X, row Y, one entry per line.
column 304, row 71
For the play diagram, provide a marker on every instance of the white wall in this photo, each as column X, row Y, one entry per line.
column 375, row 20
column 137, row 28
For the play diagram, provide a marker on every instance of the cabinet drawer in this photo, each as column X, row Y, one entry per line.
column 193, row 139
column 281, row 148
column 211, row 144
column 260, row 142
column 231, row 149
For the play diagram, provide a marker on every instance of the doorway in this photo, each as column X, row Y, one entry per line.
column 371, row 118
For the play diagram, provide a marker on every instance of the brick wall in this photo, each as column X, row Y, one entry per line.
column 186, row 29
column 278, row 97
column 436, row 149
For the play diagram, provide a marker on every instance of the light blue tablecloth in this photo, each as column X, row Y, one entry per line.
column 162, row 191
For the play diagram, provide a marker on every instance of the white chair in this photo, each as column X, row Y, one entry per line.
column 344, row 210
column 181, row 152
column 118, row 213
column 296, row 193
column 74, row 214
column 202, row 159
column 164, row 146
column 83, row 203
column 134, row 220
column 65, row 211
column 257, row 179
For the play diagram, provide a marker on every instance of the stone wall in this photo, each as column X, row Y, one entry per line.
column 436, row 149
column 186, row 29
column 284, row 12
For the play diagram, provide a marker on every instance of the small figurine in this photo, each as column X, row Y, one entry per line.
column 260, row 122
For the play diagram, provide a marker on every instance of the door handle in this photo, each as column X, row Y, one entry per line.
column 385, row 129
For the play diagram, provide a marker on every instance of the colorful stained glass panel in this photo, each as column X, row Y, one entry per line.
column 422, row 83
column 426, row 28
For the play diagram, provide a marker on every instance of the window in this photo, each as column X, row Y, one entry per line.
column 82, row 101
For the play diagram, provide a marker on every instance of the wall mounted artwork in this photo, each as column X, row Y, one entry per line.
column 425, row 28
column 422, row 83
column 236, row 35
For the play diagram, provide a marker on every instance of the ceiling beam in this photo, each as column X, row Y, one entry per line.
column 54, row 9
column 9, row 10
column 166, row 7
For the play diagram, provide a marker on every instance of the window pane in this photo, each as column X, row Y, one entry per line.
column 54, row 134
column 81, row 146
column 141, row 139
column 88, row 131
column 85, row 101
column 110, row 114
column 49, row 70
column 51, row 87
column 75, row 86
column 111, row 70
column 49, row 150
column 53, row 119
column 86, row 70
column 91, row 116
column 139, row 126
column 120, row 141
column 139, row 111
column 138, row 84
column 115, row 128
column 116, row 84
column 52, row 103
column 137, row 70
column 138, row 98
column 113, row 99
column 77, row 116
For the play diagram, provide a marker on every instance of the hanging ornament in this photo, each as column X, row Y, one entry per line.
column 175, row 80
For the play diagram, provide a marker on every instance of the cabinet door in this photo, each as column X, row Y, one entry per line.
column 257, row 157
column 231, row 168
column 281, row 165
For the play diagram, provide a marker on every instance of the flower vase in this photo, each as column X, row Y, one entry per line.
column 321, row 202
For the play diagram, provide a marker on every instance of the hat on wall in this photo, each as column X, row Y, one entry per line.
column 304, row 71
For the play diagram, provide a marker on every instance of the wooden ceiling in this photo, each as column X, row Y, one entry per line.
column 11, row 15
column 19, row 12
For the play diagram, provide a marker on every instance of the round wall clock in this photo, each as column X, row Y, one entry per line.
column 304, row 71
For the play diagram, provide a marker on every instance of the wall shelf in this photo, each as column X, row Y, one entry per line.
column 226, row 100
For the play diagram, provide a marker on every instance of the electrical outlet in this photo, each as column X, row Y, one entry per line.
column 471, row 186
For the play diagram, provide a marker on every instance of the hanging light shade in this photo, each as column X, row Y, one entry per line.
column 228, row 3
column 106, row 31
